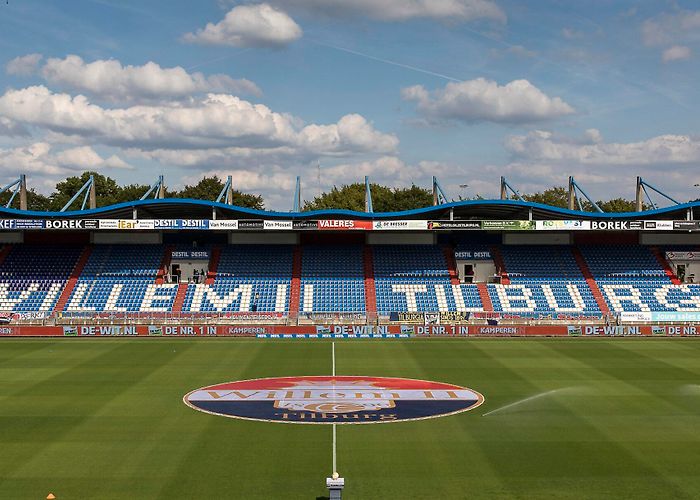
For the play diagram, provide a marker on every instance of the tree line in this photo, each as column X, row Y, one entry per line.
column 348, row 197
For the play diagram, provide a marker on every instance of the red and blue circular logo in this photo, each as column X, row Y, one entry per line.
column 333, row 400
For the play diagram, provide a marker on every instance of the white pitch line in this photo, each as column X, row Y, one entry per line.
column 335, row 438
column 526, row 400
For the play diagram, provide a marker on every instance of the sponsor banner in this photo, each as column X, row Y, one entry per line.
column 574, row 330
column 473, row 255
column 15, row 224
column 686, row 225
column 408, row 317
column 675, row 317
column 126, row 224
column 508, row 225
column 617, row 225
column 658, row 225
column 635, row 317
column 562, row 225
column 682, row 255
column 333, row 399
column 71, row 224
column 304, row 225
column 460, row 225
column 346, row 331
column 676, row 330
column 223, row 224
column 519, row 330
column 436, row 330
column 342, row 225
column 278, row 225
column 432, row 318
column 190, row 255
column 181, row 224
column 70, row 331
column 400, row 225
column 250, row 224
column 454, row 317
column 612, row 330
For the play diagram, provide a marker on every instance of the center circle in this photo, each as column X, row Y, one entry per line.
column 333, row 399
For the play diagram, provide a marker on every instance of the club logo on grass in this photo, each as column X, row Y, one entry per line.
column 333, row 400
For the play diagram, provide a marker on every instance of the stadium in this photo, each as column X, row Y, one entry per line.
column 203, row 293
column 349, row 249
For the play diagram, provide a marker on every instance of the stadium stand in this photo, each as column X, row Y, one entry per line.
column 32, row 277
column 553, row 281
column 543, row 280
column 122, row 278
column 332, row 279
column 416, row 278
column 633, row 279
column 248, row 278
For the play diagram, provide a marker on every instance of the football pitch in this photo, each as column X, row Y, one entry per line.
column 567, row 418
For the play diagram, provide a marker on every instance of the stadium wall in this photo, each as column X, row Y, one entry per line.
column 349, row 331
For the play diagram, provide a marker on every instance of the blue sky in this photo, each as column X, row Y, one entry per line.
column 398, row 90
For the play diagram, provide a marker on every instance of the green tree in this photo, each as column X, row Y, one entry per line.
column 557, row 196
column 208, row 188
column 620, row 205
column 384, row 199
column 106, row 189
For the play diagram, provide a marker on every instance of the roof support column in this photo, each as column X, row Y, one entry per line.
column 572, row 194
column 22, row 192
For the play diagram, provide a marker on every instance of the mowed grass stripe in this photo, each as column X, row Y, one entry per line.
column 386, row 456
column 256, row 459
column 578, row 461
column 654, row 422
column 81, row 443
column 104, row 419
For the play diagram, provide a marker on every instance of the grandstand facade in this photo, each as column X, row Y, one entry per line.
column 475, row 262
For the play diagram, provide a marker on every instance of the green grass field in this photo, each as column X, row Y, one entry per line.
column 104, row 419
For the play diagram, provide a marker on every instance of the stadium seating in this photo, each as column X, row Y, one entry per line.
column 249, row 277
column 332, row 279
column 633, row 280
column 122, row 278
column 32, row 277
column 416, row 278
column 544, row 280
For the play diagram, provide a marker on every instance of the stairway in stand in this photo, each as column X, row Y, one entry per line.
column 74, row 275
column 295, row 292
column 500, row 265
column 370, row 290
column 213, row 265
column 590, row 280
column 667, row 267
column 180, row 297
column 164, row 265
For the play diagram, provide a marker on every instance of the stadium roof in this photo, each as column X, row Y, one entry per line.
column 174, row 208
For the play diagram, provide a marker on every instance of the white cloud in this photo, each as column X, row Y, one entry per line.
column 666, row 29
column 484, row 100
column 11, row 128
column 258, row 25
column 213, row 121
column 40, row 159
column 542, row 146
column 520, row 51
column 402, row 10
column 23, row 65
column 676, row 53
column 109, row 79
